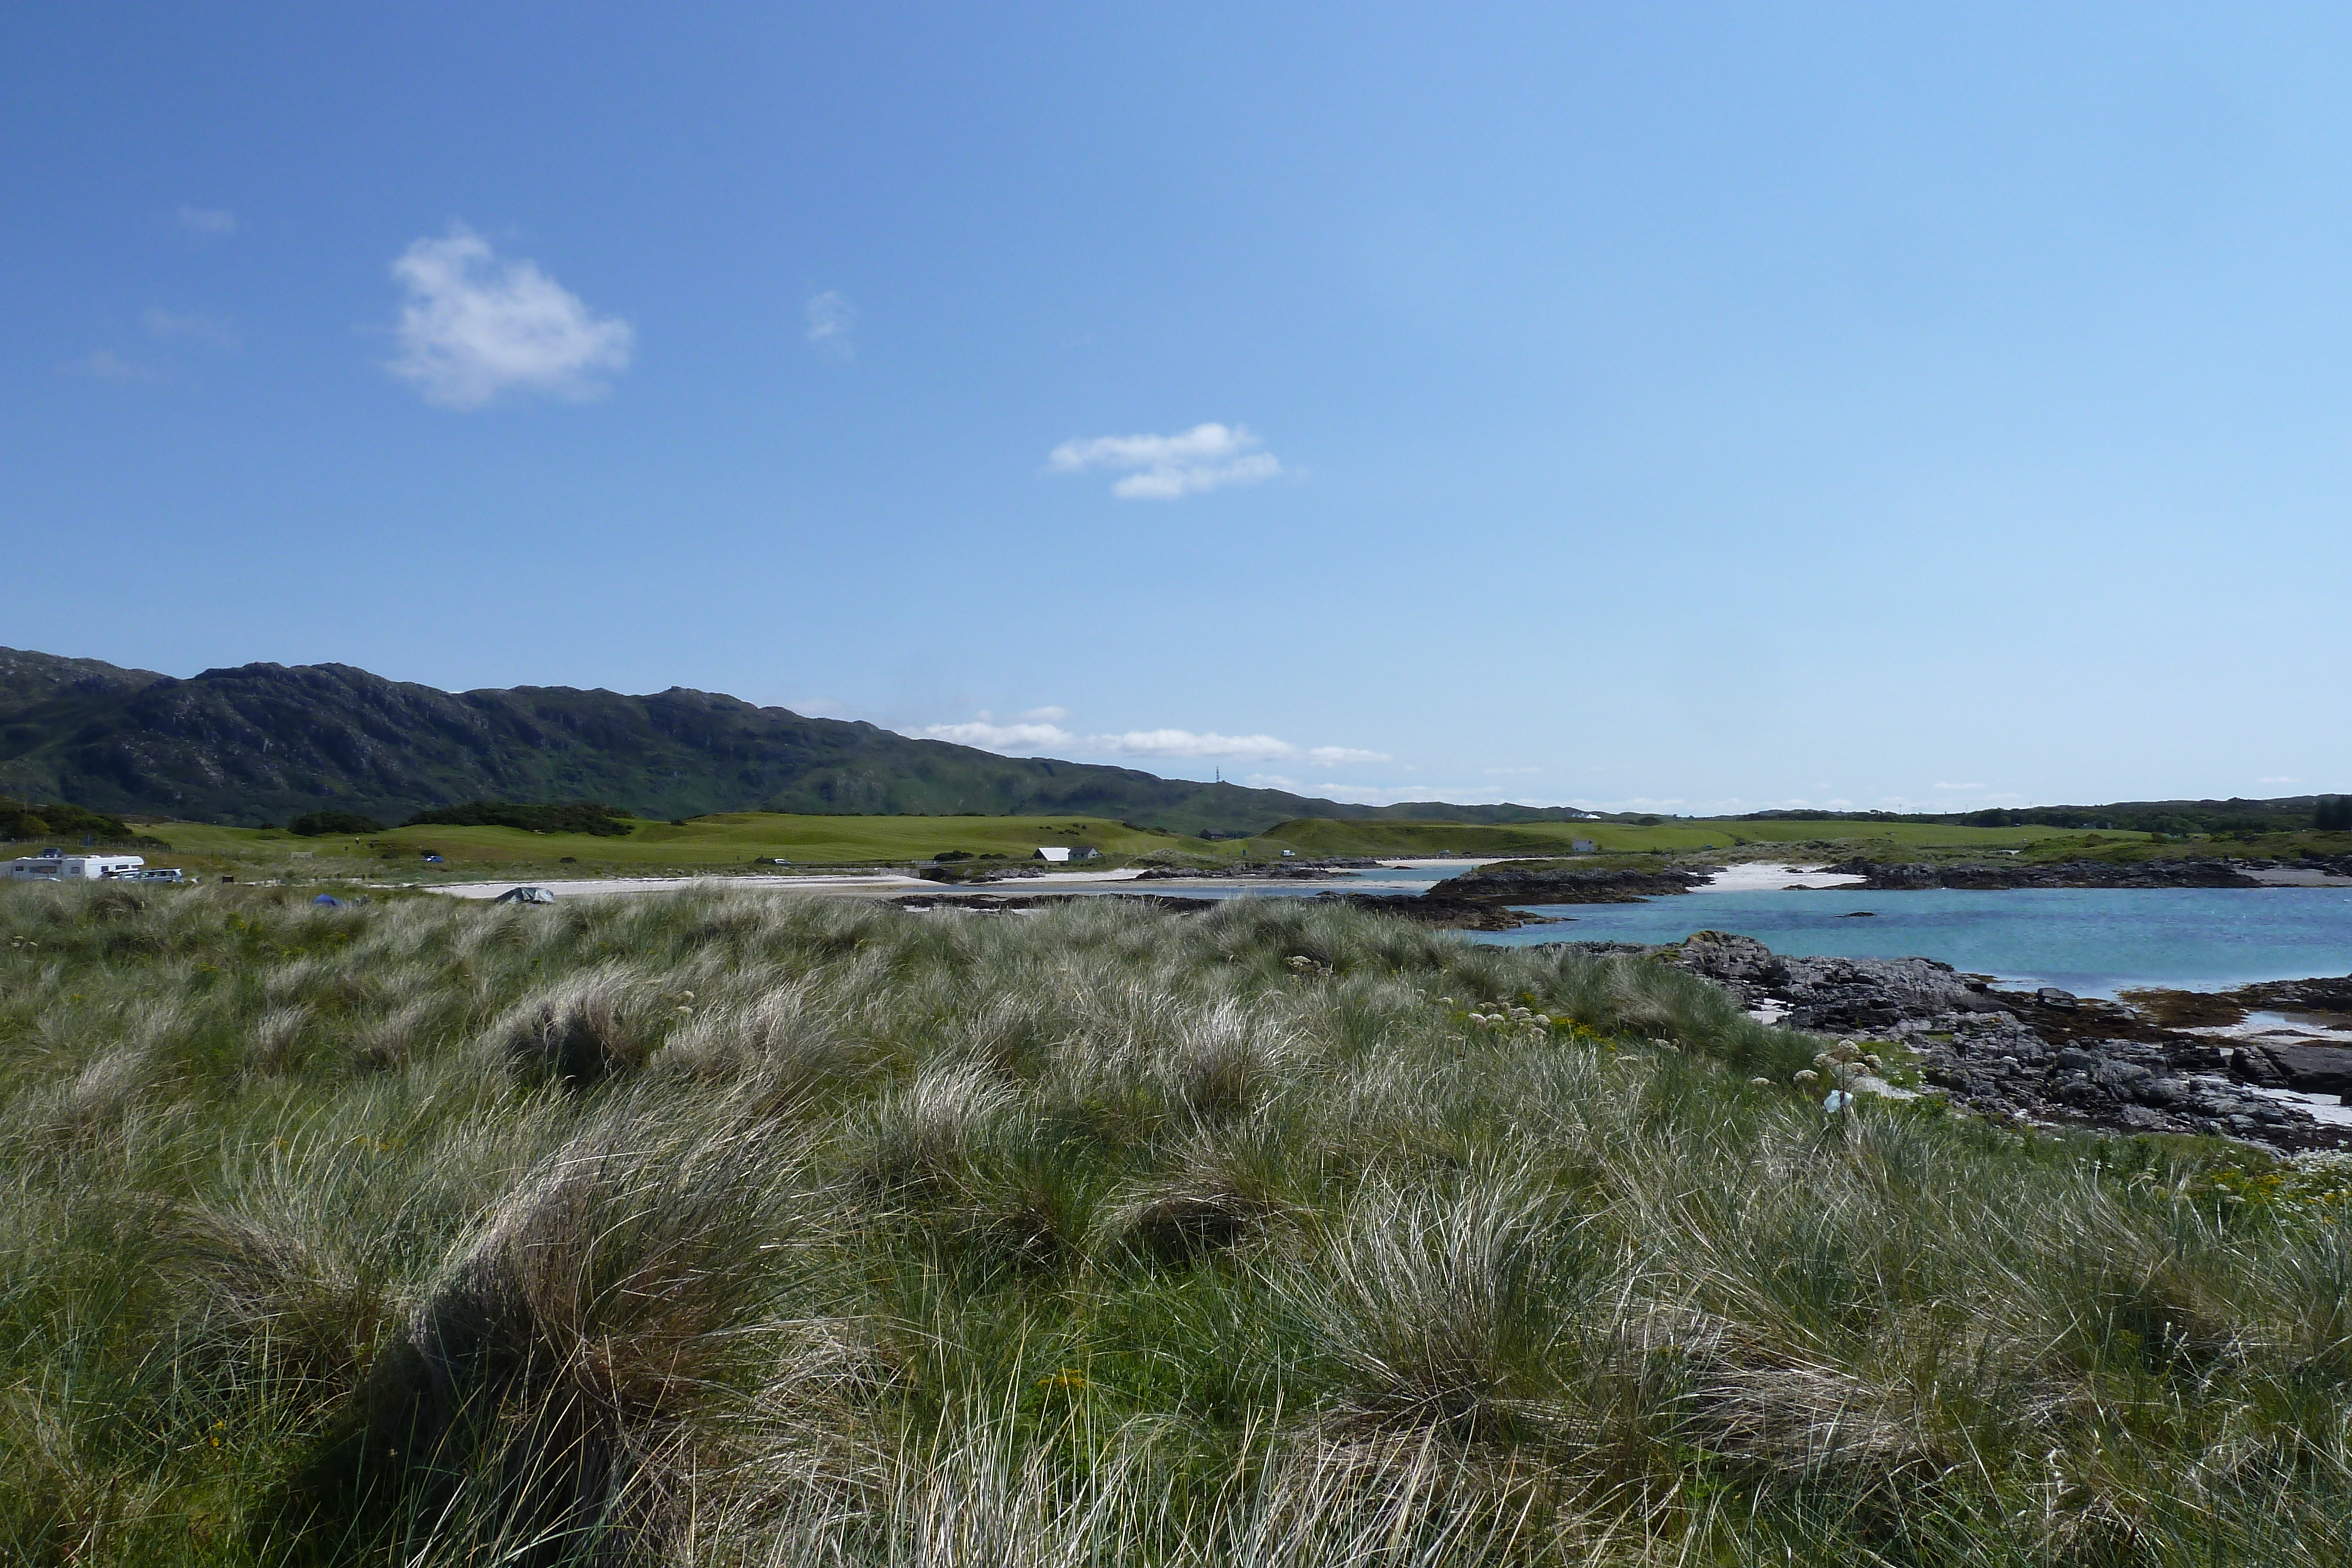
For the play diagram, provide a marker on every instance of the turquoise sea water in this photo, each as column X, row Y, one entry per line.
column 2091, row 941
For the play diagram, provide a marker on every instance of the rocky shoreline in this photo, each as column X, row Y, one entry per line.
column 2044, row 1056
column 1509, row 882
column 1880, row 876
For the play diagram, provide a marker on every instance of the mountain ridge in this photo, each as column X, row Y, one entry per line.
column 263, row 742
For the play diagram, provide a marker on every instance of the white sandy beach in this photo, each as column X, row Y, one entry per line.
column 847, row 881
column 1767, row 876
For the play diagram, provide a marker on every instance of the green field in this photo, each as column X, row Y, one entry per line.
column 731, row 841
column 737, row 840
column 2129, row 847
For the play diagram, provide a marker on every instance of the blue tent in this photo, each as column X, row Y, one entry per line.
column 330, row 900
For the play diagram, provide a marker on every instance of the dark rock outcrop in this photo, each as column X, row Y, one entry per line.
column 2306, row 1068
column 2042, row 1056
column 2326, row 996
column 1543, row 882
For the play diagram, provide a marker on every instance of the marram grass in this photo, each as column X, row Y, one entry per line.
column 770, row 1231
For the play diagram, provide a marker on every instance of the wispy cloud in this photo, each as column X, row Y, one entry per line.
column 1164, row 467
column 106, row 365
column 207, row 220
column 1042, row 727
column 2279, row 780
column 163, row 323
column 832, row 324
column 475, row 327
column 1389, row 794
column 991, row 736
column 1187, row 743
column 1940, row 785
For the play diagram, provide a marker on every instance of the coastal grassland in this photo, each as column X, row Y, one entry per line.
column 2129, row 848
column 2116, row 847
column 735, row 1230
column 731, row 840
column 736, row 839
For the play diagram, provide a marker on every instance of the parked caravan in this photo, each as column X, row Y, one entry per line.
column 56, row 865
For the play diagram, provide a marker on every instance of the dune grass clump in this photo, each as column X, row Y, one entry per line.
column 757, row 1229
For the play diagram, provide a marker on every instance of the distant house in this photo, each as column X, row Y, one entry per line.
column 1061, row 853
column 1581, row 846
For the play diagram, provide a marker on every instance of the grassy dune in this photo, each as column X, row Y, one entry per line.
column 734, row 1229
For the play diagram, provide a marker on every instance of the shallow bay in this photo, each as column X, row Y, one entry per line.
column 2091, row 941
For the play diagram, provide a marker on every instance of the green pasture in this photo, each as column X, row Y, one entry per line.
column 2135, row 847
column 733, row 838
column 740, row 839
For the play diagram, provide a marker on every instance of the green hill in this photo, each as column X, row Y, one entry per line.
column 266, row 742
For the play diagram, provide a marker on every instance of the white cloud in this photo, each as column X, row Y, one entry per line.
column 831, row 321
column 2279, row 780
column 1940, row 785
column 1163, row 468
column 1043, row 728
column 163, row 323
column 1495, row 770
column 106, row 365
column 1240, row 747
column 474, row 327
column 999, row 736
column 1186, row 743
column 207, row 220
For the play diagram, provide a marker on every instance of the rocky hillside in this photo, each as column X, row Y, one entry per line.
column 263, row 743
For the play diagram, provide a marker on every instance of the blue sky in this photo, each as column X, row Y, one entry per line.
column 1696, row 407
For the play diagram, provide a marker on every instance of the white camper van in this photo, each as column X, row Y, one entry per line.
column 56, row 865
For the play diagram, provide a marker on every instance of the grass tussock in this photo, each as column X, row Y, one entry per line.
column 759, row 1231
